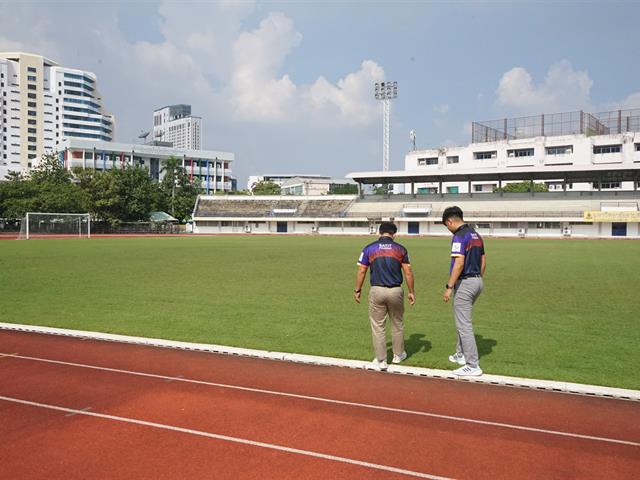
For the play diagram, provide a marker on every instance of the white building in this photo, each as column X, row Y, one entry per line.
column 212, row 168
column 312, row 186
column 174, row 124
column 280, row 179
column 568, row 143
column 43, row 103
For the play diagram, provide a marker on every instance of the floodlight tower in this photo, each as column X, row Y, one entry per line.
column 385, row 91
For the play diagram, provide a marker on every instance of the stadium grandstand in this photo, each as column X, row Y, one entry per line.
column 588, row 166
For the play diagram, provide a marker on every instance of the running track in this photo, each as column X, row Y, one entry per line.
column 72, row 408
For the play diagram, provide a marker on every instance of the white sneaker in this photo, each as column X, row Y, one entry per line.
column 468, row 371
column 379, row 365
column 457, row 358
column 400, row 358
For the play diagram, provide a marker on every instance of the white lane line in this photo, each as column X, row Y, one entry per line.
column 85, row 409
column 226, row 438
column 2, row 355
column 337, row 402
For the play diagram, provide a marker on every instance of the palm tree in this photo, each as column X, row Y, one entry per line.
column 170, row 169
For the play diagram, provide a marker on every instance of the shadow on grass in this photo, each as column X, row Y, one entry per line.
column 414, row 344
column 485, row 345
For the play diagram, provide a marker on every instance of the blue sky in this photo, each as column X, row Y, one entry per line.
column 288, row 86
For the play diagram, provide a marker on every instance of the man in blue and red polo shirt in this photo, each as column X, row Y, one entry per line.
column 387, row 261
column 467, row 268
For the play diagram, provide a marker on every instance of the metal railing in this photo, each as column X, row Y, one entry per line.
column 566, row 123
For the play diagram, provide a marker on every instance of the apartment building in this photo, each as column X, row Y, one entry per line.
column 41, row 104
column 174, row 124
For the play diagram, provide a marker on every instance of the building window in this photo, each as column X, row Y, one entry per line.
column 32, row 139
column 599, row 149
column 31, row 112
column 520, row 152
column 485, row 155
column 32, row 87
column 637, row 147
column 452, row 190
column 31, row 78
column 607, row 185
column 31, row 69
column 31, row 104
column 453, row 159
column 562, row 150
column 428, row 161
column 31, row 147
column 31, row 95
column 477, row 188
column 31, row 121
column 31, row 157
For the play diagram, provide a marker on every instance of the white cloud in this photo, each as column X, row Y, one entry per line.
column 632, row 101
column 562, row 89
column 351, row 96
column 257, row 57
column 258, row 93
column 444, row 108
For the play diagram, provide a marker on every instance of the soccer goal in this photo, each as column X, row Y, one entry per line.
column 61, row 225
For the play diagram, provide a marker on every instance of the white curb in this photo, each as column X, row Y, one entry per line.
column 546, row 385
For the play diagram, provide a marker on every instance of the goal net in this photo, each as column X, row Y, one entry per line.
column 60, row 225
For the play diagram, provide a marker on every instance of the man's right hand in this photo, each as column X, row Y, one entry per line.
column 356, row 296
column 412, row 298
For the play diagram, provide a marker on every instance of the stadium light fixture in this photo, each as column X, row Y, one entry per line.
column 385, row 91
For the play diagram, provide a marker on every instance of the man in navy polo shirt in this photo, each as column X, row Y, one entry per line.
column 387, row 261
column 465, row 283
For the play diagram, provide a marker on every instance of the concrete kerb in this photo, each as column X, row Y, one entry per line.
column 544, row 385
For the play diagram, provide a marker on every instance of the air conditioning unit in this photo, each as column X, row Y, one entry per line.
column 314, row 229
column 566, row 231
column 247, row 228
column 522, row 232
column 372, row 229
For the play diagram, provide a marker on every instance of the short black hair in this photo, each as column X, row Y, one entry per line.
column 388, row 227
column 451, row 212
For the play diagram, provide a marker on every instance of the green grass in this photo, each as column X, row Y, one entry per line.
column 551, row 309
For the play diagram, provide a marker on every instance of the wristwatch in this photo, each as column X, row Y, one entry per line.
column 448, row 287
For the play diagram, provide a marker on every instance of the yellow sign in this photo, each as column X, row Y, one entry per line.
column 612, row 216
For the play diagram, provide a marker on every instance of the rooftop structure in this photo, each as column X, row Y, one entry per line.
column 556, row 124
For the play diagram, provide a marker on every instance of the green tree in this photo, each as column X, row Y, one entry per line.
column 137, row 193
column 266, row 187
column 381, row 189
column 17, row 196
column 178, row 190
column 171, row 170
column 55, row 190
column 343, row 189
column 522, row 187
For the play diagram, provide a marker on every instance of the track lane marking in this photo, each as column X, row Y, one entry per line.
column 337, row 402
column 243, row 441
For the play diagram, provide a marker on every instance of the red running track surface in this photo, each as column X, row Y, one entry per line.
column 72, row 408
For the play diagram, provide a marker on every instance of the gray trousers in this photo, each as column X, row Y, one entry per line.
column 466, row 293
column 382, row 302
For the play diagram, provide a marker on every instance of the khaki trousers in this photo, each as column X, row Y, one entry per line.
column 383, row 301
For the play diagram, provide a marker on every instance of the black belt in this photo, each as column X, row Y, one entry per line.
column 471, row 276
column 387, row 286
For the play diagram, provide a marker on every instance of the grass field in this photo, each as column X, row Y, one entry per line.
column 551, row 309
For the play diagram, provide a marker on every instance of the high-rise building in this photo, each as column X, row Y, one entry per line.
column 174, row 124
column 40, row 104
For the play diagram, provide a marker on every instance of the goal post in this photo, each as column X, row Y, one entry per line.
column 59, row 225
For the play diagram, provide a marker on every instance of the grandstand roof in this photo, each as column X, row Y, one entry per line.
column 577, row 173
